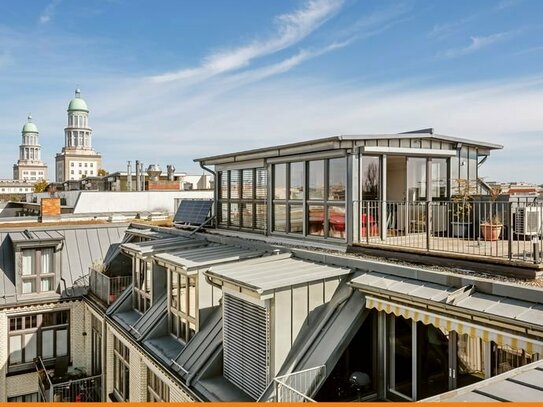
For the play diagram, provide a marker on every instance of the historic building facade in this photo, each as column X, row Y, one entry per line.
column 30, row 167
column 77, row 159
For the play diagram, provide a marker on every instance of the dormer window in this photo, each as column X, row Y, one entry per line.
column 37, row 270
column 182, row 313
column 142, row 285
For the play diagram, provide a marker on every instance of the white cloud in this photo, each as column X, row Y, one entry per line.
column 291, row 29
column 446, row 29
column 505, row 4
column 49, row 12
column 477, row 43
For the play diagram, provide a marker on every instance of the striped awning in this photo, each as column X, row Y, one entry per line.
column 531, row 346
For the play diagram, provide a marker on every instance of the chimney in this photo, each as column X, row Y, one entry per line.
column 154, row 172
column 129, row 176
column 142, row 178
column 171, row 172
column 138, row 186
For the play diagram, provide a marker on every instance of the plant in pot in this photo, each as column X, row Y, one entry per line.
column 491, row 227
column 462, row 204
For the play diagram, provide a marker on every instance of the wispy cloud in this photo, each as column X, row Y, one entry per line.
column 291, row 29
column 446, row 29
column 505, row 4
column 477, row 43
column 530, row 50
column 49, row 12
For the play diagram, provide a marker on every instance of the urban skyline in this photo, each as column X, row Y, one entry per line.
column 280, row 72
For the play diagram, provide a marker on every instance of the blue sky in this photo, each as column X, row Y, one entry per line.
column 170, row 81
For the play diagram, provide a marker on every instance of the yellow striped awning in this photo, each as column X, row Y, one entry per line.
column 531, row 346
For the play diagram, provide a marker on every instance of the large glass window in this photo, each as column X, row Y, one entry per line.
column 324, row 201
column 471, row 356
column 242, row 198
column 371, row 178
column 316, row 179
column 44, row 335
column 439, row 178
column 183, row 305
column 416, row 179
column 37, row 270
column 297, row 182
column 401, row 356
column 121, row 370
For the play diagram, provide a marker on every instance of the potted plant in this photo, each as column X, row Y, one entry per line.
column 461, row 208
column 491, row 228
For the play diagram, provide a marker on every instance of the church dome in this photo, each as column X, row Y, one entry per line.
column 78, row 104
column 30, row 127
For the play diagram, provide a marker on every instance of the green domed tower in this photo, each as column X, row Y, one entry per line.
column 78, row 159
column 30, row 167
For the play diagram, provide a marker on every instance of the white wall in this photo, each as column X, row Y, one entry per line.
column 122, row 202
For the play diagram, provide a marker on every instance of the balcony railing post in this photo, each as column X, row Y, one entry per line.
column 428, row 224
column 367, row 222
column 510, row 232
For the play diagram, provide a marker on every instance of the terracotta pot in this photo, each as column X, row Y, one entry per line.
column 491, row 232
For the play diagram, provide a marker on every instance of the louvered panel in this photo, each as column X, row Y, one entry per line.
column 235, row 184
column 248, row 184
column 223, row 184
column 246, row 345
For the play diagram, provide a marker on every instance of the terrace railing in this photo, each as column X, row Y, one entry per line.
column 55, row 389
column 106, row 288
column 296, row 387
column 511, row 230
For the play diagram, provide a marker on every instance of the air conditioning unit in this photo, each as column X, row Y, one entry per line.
column 528, row 221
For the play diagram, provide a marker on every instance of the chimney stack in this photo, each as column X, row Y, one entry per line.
column 142, row 178
column 138, row 185
column 129, row 176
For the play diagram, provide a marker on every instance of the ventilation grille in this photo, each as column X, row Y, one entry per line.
column 246, row 345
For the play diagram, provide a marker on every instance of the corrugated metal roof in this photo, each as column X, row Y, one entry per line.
column 211, row 254
column 82, row 246
column 492, row 305
column 524, row 384
column 147, row 233
column 272, row 272
column 168, row 244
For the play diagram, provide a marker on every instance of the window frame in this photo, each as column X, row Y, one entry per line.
column 157, row 390
column 307, row 202
column 37, row 267
column 252, row 205
column 61, row 323
column 179, row 317
column 121, row 370
column 142, row 298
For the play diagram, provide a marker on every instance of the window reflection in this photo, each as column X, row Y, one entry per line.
column 316, row 179
column 279, row 181
column 416, row 179
column 336, row 174
column 370, row 178
column 316, row 220
column 296, row 219
column 297, row 180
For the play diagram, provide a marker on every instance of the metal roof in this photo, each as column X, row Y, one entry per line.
column 82, row 246
column 147, row 233
column 273, row 272
column 32, row 236
column 334, row 141
column 523, row 384
column 211, row 254
column 161, row 245
column 464, row 299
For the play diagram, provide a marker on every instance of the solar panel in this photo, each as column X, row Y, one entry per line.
column 194, row 212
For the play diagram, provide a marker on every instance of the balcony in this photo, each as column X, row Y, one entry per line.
column 107, row 289
column 505, row 232
column 67, row 384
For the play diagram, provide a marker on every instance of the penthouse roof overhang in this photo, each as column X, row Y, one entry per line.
column 335, row 143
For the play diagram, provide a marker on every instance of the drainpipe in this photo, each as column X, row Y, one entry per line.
column 215, row 189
